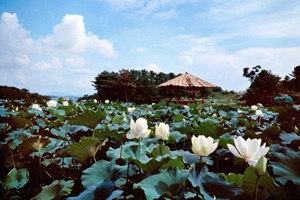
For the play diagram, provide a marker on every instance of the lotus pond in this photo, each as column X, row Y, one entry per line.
column 92, row 150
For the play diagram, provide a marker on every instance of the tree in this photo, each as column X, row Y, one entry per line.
column 104, row 84
column 124, row 83
column 251, row 75
column 295, row 81
column 263, row 88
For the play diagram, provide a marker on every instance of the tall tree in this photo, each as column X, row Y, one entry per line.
column 124, row 84
column 263, row 88
column 295, row 81
column 251, row 75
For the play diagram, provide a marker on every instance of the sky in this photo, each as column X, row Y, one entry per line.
column 60, row 46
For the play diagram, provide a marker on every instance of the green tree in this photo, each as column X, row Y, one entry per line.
column 263, row 88
column 124, row 84
column 104, row 84
column 295, row 81
column 251, row 75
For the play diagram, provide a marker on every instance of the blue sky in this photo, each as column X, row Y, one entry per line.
column 62, row 45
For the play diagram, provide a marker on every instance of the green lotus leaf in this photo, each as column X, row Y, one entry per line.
column 286, row 166
column 3, row 111
column 88, row 193
column 86, row 148
column 102, row 134
column 168, row 182
column 188, row 157
column 151, row 165
column 21, row 122
column 178, row 118
column 17, row 137
column 57, row 113
column 177, row 136
column 55, row 190
column 208, row 182
column 88, row 118
column 287, row 138
column 16, row 178
column 209, row 128
column 185, row 129
column 160, row 150
column 102, row 170
column 33, row 144
column 130, row 150
column 117, row 119
column 234, row 178
column 265, row 181
column 40, row 122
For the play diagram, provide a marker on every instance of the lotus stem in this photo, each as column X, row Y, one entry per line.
column 139, row 149
column 40, row 166
column 12, row 157
column 256, row 187
column 121, row 150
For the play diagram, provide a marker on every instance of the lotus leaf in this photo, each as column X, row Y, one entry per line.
column 286, row 166
column 55, row 190
column 100, row 171
column 168, row 182
column 287, row 138
column 88, row 118
column 86, row 148
column 33, row 144
column 16, row 178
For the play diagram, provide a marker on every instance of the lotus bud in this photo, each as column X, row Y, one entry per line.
column 106, row 101
column 261, row 166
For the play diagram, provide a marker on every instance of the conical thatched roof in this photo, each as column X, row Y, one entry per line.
column 188, row 81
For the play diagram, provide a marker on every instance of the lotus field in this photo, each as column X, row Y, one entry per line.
column 112, row 150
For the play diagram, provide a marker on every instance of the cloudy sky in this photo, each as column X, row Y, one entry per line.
column 62, row 45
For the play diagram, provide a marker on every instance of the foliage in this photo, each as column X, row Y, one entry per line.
column 12, row 93
column 81, row 152
column 139, row 86
column 263, row 88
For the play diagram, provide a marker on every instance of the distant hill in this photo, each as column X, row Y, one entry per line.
column 13, row 93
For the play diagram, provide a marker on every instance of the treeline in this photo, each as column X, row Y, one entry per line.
column 138, row 86
column 265, row 85
column 13, row 93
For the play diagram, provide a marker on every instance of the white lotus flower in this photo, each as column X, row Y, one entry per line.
column 138, row 129
column 249, row 150
column 162, row 131
column 65, row 103
column 106, row 101
column 130, row 109
column 95, row 101
column 259, row 113
column 36, row 107
column 254, row 107
column 214, row 115
column 203, row 146
column 52, row 103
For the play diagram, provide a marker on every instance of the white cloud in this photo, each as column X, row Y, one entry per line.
column 57, row 58
column 153, row 67
column 165, row 15
column 70, row 36
column 141, row 49
column 14, row 41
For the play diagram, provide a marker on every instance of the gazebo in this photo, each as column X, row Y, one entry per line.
column 190, row 83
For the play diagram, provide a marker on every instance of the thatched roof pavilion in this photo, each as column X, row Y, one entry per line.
column 189, row 82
